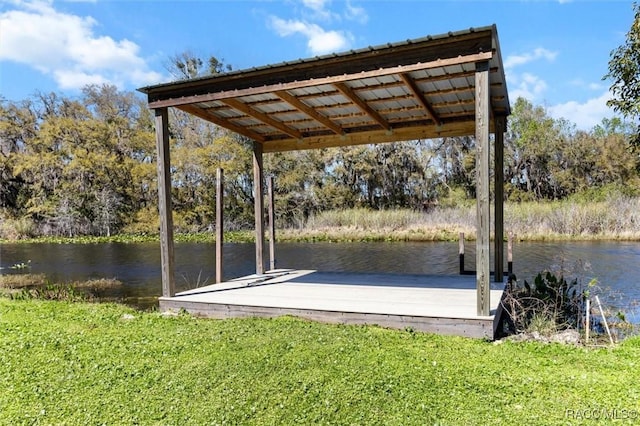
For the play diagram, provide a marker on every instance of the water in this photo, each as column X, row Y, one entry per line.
column 616, row 265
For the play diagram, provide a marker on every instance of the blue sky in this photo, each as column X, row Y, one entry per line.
column 555, row 52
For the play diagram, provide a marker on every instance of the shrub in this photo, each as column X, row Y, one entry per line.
column 549, row 305
column 17, row 229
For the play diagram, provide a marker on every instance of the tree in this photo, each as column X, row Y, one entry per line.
column 532, row 147
column 624, row 70
column 18, row 124
column 187, row 65
column 456, row 159
column 298, row 184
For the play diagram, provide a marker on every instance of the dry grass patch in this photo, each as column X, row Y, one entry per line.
column 18, row 281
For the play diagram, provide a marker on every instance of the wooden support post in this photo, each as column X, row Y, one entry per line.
column 272, row 225
column 165, row 208
column 587, row 320
column 498, row 173
column 461, row 252
column 258, row 195
column 482, row 188
column 219, row 223
column 510, row 253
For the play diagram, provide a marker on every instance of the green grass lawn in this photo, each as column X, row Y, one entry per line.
column 80, row 363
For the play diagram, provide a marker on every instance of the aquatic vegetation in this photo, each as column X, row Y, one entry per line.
column 21, row 265
column 38, row 286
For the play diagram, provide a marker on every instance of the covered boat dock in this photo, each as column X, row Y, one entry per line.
column 438, row 86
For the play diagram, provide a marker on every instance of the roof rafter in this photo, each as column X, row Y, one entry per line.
column 296, row 103
column 350, row 94
column 420, row 96
column 412, row 89
column 227, row 124
column 242, row 107
column 372, row 136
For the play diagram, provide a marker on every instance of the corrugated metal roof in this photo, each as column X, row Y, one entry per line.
column 407, row 90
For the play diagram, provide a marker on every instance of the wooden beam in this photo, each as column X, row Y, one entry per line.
column 461, row 253
column 350, row 94
column 165, row 208
column 265, row 118
column 272, row 224
column 482, row 188
column 498, row 173
column 413, row 87
column 311, row 112
column 219, row 224
column 227, row 124
column 373, row 136
column 258, row 196
column 298, row 84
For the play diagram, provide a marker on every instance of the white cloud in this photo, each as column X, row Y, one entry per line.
column 318, row 6
column 525, row 85
column 536, row 54
column 317, row 10
column 593, row 86
column 319, row 41
column 356, row 13
column 74, row 79
column 585, row 115
column 65, row 46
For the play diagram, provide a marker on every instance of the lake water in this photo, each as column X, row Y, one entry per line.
column 616, row 265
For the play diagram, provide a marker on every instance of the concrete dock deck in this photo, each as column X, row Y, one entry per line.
column 429, row 303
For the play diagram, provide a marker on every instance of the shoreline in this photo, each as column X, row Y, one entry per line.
column 333, row 235
column 614, row 219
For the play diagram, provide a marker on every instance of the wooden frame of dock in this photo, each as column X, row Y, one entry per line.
column 437, row 86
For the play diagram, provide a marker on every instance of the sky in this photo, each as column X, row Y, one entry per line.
column 555, row 52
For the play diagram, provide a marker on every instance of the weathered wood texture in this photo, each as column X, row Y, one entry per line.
column 272, row 224
column 482, row 187
column 258, row 195
column 510, row 253
column 461, row 253
column 336, row 100
column 289, row 81
column 164, row 202
column 498, row 173
column 482, row 328
column 219, row 224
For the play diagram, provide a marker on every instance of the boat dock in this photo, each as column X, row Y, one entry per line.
column 429, row 303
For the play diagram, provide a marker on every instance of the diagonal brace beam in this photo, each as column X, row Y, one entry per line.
column 242, row 107
column 351, row 95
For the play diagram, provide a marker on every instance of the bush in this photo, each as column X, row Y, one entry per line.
column 549, row 305
column 146, row 221
column 17, row 229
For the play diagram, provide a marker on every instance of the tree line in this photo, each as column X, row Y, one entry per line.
column 86, row 166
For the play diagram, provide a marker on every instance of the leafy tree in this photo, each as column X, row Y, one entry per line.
column 78, row 166
column 532, row 146
column 198, row 149
column 624, row 70
column 18, row 124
